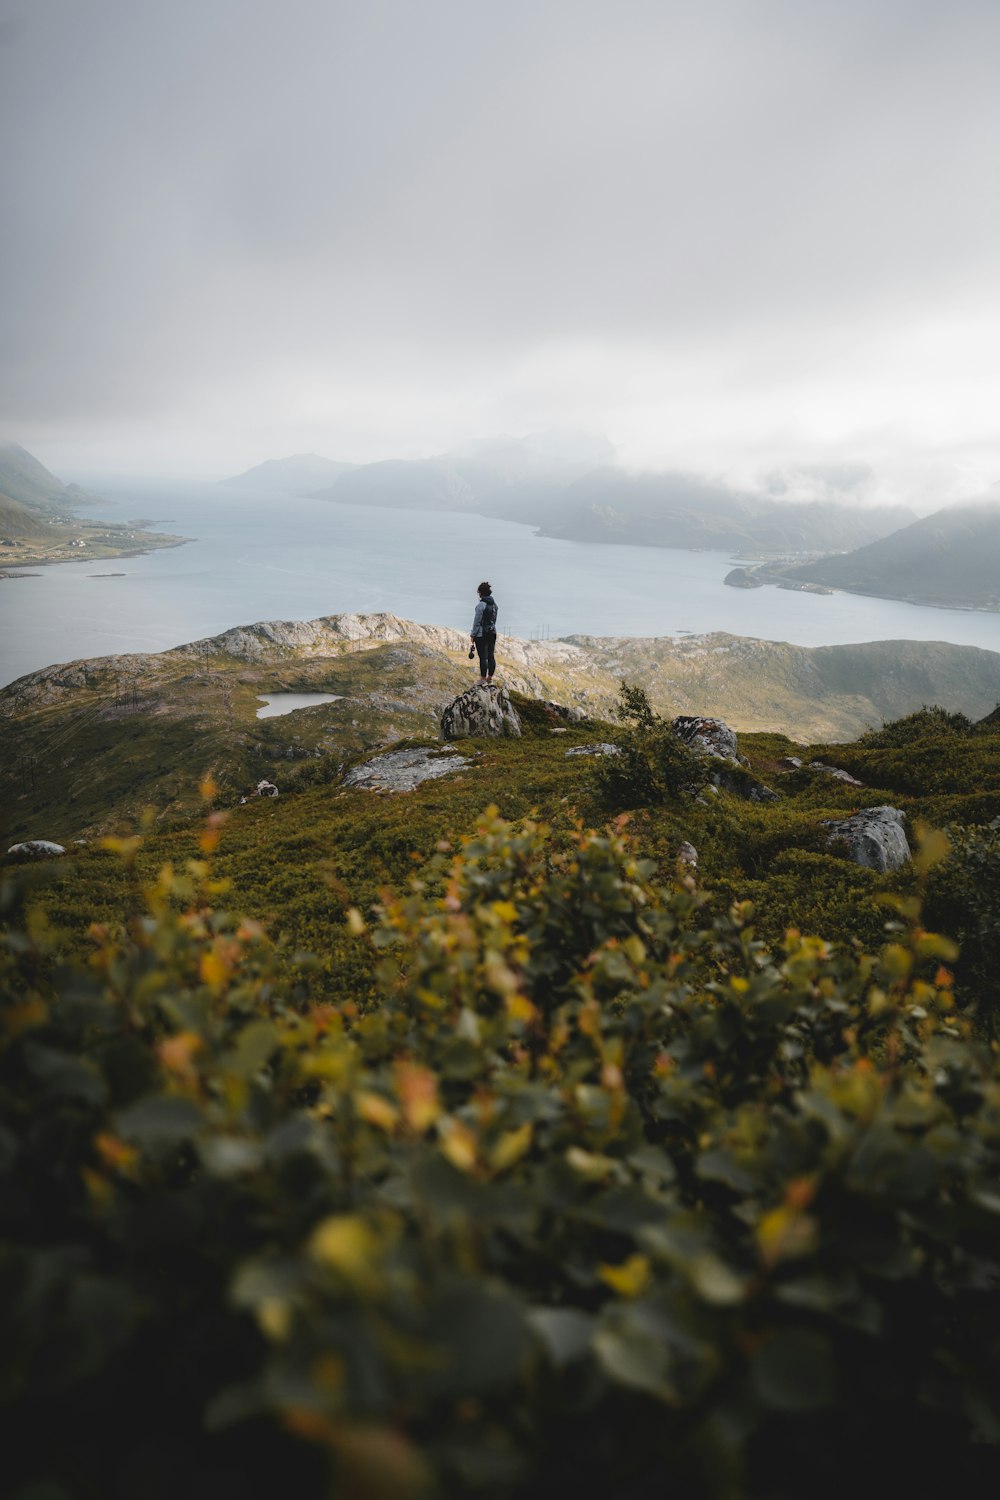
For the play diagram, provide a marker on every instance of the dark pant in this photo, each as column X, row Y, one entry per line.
column 486, row 645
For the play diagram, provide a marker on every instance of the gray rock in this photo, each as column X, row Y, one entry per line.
column 479, row 712
column 599, row 747
column 835, row 772
column 739, row 784
column 687, row 854
column 790, row 763
column 571, row 714
column 873, row 837
column 714, row 738
column 710, row 736
column 265, row 789
column 36, row 849
column 402, row 770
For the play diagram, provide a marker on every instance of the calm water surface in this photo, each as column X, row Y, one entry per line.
column 259, row 557
column 275, row 705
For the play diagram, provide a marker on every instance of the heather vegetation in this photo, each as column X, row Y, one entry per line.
column 374, row 1147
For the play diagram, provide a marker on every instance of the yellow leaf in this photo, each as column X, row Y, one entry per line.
column 176, row 1052
column 116, row 1154
column 458, row 1144
column 630, row 1279
column 520, row 1008
column 511, row 1146
column 785, row 1233
column 589, row 1164
column 933, row 846
column 274, row 1315
column 417, row 1090
column 505, row 910
column 213, row 969
column 347, row 1244
column 355, row 922
column 635, row 948
column 127, row 848
column 208, row 840
column 208, row 788
column 377, row 1110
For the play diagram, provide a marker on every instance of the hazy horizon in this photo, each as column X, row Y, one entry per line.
column 739, row 240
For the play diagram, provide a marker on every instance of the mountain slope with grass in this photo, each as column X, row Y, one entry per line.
column 951, row 558
column 412, row 1145
column 89, row 744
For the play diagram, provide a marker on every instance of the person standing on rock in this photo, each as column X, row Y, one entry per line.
column 484, row 634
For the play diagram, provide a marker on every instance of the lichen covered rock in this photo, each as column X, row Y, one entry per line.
column 710, row 736
column 403, row 770
column 480, row 712
column 874, row 837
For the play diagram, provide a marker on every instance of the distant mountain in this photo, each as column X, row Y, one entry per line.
column 950, row 558
column 570, row 488
column 685, row 510
column 17, row 520
column 28, row 483
column 505, row 476
column 299, row 474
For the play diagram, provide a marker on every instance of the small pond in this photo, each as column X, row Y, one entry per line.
column 276, row 704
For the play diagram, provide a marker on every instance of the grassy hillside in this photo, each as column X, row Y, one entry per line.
column 950, row 558
column 90, row 744
column 19, row 520
column 515, row 1161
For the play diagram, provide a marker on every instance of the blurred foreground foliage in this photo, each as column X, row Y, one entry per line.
column 599, row 1195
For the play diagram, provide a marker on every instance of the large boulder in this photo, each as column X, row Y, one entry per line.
column 480, row 713
column 873, row 837
column 714, row 738
column 710, row 736
column 35, row 849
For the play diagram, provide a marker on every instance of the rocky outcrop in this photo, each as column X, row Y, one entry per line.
column 571, row 714
column 835, row 772
column 35, row 849
column 402, row 770
column 714, row 738
column 480, row 713
column 710, row 736
column 793, row 763
column 874, row 837
column 599, row 747
column 687, row 854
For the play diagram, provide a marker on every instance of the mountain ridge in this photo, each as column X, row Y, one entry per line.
column 108, row 736
column 949, row 558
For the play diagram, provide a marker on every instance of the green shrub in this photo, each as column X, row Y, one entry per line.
column 653, row 764
column 965, row 893
column 602, row 1190
column 928, row 722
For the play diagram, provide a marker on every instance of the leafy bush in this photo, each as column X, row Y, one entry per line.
column 599, row 1191
column 964, row 893
column 928, row 722
column 653, row 765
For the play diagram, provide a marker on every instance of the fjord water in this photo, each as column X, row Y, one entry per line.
column 269, row 557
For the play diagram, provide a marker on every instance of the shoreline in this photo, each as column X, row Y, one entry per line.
column 10, row 569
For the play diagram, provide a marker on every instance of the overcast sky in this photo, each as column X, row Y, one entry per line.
column 734, row 235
